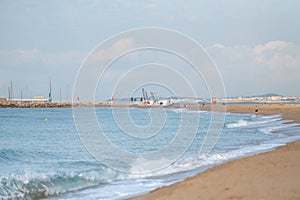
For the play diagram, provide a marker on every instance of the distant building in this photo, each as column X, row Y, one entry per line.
column 3, row 101
column 35, row 100
column 274, row 98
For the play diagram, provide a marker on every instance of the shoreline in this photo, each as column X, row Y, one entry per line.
column 235, row 178
column 207, row 107
column 270, row 175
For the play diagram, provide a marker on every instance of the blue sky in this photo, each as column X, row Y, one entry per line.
column 255, row 44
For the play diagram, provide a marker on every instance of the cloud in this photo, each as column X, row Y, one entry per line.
column 103, row 53
column 271, row 46
column 32, row 58
column 273, row 66
column 218, row 46
column 278, row 55
column 27, row 53
column 18, row 57
column 270, row 67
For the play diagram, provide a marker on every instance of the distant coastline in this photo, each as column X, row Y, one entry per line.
column 174, row 102
column 69, row 105
column 192, row 106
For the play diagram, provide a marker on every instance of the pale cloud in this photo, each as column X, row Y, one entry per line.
column 102, row 54
column 218, row 46
column 18, row 57
column 34, row 58
column 278, row 55
column 272, row 55
column 270, row 67
column 27, row 53
column 271, row 46
column 41, row 38
column 262, row 68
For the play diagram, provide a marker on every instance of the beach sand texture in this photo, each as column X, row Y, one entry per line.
column 270, row 175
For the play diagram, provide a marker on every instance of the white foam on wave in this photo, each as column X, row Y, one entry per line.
column 35, row 185
column 244, row 123
column 271, row 129
column 116, row 190
column 179, row 110
column 271, row 116
column 240, row 123
column 184, row 110
column 218, row 158
column 138, row 184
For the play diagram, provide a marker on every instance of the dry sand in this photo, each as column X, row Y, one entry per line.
column 271, row 175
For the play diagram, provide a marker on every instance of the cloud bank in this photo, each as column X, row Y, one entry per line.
column 270, row 67
column 246, row 70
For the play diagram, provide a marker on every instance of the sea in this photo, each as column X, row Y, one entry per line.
column 43, row 155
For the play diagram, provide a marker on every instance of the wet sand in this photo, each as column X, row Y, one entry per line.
column 270, row 175
column 289, row 111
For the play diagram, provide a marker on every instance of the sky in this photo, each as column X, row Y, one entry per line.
column 255, row 44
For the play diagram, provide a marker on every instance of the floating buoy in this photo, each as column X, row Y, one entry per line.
column 46, row 119
column 73, row 116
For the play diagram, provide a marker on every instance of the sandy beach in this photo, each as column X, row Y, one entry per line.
column 270, row 175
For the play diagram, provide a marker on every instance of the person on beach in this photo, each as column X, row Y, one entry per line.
column 256, row 109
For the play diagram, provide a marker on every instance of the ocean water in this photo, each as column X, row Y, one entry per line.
column 42, row 155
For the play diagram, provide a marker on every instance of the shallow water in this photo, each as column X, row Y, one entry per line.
column 46, row 159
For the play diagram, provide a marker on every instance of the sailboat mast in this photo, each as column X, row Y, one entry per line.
column 9, row 93
column 50, row 90
column 59, row 95
column 21, row 95
column 11, row 90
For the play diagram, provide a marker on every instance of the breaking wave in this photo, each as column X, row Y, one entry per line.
column 22, row 185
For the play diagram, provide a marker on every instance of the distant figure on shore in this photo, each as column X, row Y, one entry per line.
column 256, row 109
